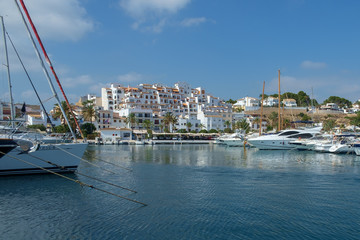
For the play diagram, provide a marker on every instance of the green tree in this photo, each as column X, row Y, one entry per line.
column 188, row 126
column 41, row 127
column 87, row 128
column 341, row 102
column 355, row 120
column 89, row 112
column 170, row 119
column 213, row 131
column 304, row 117
column 329, row 124
column 244, row 125
column 231, row 101
column 57, row 113
column 256, row 121
column 62, row 129
column 131, row 120
column 148, row 125
column 273, row 119
column 227, row 123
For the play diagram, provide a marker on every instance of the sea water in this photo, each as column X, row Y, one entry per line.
column 192, row 192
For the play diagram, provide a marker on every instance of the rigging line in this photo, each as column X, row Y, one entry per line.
column 50, row 64
column 74, row 180
column 93, row 164
column 31, row 82
column 48, row 99
column 82, row 174
column 44, row 69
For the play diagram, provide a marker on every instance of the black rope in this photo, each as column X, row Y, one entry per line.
column 27, row 74
column 74, row 180
column 82, row 174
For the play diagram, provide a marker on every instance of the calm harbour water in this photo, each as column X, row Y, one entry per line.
column 192, row 192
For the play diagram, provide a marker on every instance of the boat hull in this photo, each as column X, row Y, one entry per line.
column 271, row 145
column 65, row 156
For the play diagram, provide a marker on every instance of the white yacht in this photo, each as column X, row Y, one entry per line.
column 282, row 139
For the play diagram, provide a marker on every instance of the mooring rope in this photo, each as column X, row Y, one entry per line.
column 74, row 180
column 82, row 174
column 93, row 164
column 85, row 160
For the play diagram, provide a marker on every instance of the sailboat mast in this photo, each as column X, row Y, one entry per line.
column 45, row 71
column 262, row 105
column 12, row 110
column 51, row 66
column 279, row 116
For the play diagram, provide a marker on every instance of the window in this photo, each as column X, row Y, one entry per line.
column 301, row 135
column 287, row 133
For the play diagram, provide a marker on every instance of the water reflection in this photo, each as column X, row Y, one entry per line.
column 216, row 155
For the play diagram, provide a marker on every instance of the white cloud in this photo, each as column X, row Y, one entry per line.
column 130, row 77
column 96, row 87
column 84, row 80
column 152, row 15
column 57, row 20
column 313, row 65
column 140, row 8
column 189, row 22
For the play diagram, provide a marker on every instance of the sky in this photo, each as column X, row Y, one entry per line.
column 228, row 47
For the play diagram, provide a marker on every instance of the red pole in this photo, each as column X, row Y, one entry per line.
column 50, row 64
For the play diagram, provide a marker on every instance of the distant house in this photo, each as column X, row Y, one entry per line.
column 271, row 101
column 289, row 102
column 330, row 106
column 247, row 103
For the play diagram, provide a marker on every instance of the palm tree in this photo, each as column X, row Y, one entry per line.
column 227, row 123
column 257, row 122
column 273, row 118
column 188, row 125
column 89, row 113
column 201, row 126
column 244, row 125
column 58, row 113
column 147, row 124
column 131, row 120
column 161, row 126
column 170, row 119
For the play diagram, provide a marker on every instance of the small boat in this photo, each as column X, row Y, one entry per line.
column 231, row 140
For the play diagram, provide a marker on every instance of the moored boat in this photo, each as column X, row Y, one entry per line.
column 52, row 157
column 282, row 139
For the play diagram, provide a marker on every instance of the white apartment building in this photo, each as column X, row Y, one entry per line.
column 271, row 101
column 247, row 103
column 184, row 122
column 153, row 101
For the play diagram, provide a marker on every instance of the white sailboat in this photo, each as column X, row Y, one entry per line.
column 26, row 156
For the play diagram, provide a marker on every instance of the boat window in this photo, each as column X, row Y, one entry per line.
column 301, row 135
column 288, row 133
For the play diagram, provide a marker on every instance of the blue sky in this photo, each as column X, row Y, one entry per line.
column 228, row 47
